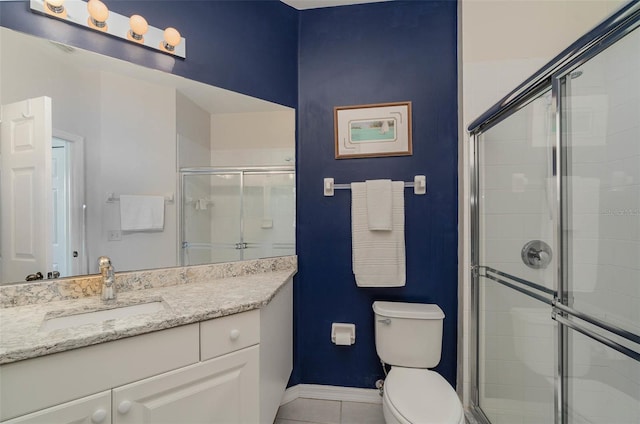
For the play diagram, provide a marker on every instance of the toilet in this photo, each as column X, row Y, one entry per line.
column 409, row 338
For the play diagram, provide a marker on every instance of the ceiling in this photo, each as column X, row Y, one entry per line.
column 314, row 4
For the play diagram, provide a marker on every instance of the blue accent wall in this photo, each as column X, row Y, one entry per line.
column 315, row 60
column 374, row 53
column 245, row 46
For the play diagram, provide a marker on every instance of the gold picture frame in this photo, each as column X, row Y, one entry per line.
column 373, row 130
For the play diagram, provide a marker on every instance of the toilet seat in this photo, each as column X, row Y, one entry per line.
column 421, row 396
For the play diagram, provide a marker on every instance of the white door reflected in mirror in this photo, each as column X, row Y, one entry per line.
column 25, row 189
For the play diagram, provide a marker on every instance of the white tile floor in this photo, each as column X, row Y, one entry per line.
column 316, row 411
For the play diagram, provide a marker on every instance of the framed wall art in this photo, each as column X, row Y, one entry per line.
column 374, row 130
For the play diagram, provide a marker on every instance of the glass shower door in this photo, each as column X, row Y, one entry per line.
column 232, row 214
column 211, row 218
column 561, row 344
column 516, row 266
column 268, row 216
column 601, row 134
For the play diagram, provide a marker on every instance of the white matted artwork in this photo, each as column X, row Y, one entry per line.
column 373, row 130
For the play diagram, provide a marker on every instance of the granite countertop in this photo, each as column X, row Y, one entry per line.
column 22, row 336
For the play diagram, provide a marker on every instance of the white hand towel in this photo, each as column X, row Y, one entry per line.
column 141, row 213
column 378, row 256
column 379, row 205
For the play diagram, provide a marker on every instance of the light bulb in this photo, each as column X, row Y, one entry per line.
column 171, row 39
column 139, row 27
column 55, row 6
column 98, row 14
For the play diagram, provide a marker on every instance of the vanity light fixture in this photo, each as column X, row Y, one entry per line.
column 171, row 39
column 95, row 15
column 55, row 8
column 98, row 15
column 139, row 28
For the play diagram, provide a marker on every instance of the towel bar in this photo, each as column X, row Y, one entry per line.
column 419, row 185
column 112, row 197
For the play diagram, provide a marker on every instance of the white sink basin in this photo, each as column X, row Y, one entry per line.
column 93, row 317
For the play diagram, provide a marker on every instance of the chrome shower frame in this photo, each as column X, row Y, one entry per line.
column 551, row 77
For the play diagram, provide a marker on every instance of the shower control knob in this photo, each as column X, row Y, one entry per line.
column 543, row 256
column 536, row 254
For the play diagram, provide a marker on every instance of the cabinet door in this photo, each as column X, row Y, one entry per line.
column 93, row 409
column 222, row 390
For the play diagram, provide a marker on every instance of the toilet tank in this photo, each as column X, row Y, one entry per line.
column 408, row 334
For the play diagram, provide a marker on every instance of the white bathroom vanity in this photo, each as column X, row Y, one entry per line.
column 219, row 351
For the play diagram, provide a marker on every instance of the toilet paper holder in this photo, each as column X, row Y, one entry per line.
column 343, row 334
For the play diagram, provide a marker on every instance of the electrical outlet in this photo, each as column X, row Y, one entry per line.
column 114, row 235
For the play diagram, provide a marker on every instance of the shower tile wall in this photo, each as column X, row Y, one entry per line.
column 517, row 350
column 604, row 140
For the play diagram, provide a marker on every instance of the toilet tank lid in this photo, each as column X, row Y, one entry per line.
column 408, row 310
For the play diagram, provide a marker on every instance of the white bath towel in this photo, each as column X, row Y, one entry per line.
column 378, row 256
column 379, row 205
column 141, row 213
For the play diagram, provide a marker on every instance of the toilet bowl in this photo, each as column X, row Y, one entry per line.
column 419, row 396
column 409, row 338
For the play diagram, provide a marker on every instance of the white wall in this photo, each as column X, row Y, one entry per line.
column 69, row 88
column 194, row 149
column 194, row 133
column 253, row 139
column 502, row 44
column 138, row 156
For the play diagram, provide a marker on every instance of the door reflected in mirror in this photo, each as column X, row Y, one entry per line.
column 116, row 128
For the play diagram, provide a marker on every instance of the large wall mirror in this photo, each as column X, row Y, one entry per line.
column 222, row 161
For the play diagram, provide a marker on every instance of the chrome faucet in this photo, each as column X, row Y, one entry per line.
column 108, row 279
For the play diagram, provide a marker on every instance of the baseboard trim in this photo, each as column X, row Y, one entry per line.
column 316, row 391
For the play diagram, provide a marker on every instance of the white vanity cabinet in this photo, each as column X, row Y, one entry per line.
column 95, row 409
column 222, row 390
column 232, row 369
